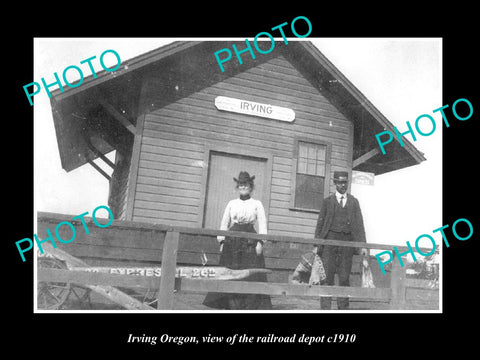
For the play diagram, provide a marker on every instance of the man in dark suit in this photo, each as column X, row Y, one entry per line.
column 341, row 219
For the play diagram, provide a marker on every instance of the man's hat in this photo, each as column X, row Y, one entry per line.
column 244, row 178
column 340, row 176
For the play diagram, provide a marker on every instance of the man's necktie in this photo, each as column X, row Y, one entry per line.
column 342, row 201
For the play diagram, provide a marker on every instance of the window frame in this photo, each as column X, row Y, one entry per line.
column 326, row 185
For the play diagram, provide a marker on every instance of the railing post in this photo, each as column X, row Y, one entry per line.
column 397, row 284
column 169, row 268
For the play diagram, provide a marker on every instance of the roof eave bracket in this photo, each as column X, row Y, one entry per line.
column 365, row 157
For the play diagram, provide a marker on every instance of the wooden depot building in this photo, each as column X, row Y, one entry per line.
column 182, row 129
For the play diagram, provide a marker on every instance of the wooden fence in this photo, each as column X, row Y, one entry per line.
column 128, row 243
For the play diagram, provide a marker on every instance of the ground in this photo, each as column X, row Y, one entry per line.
column 193, row 301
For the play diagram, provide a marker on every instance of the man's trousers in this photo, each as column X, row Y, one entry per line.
column 336, row 259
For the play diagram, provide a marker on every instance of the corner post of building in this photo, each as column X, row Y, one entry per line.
column 397, row 284
column 169, row 268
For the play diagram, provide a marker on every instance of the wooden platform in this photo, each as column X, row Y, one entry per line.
column 130, row 244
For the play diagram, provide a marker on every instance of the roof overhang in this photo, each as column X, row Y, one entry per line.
column 367, row 119
column 100, row 115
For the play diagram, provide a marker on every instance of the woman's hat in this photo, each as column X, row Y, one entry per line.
column 244, row 178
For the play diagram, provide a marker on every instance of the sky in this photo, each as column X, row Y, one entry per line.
column 400, row 77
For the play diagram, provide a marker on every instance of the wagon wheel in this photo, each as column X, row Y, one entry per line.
column 82, row 295
column 51, row 295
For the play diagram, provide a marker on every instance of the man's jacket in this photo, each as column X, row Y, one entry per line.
column 355, row 219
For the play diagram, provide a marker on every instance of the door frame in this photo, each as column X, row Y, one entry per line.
column 232, row 149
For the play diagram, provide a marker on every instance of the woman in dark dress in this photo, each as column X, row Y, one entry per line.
column 240, row 253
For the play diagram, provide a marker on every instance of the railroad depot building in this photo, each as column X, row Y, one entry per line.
column 182, row 129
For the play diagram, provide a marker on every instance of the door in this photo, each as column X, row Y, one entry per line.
column 223, row 167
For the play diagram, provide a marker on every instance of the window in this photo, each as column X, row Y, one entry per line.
column 311, row 171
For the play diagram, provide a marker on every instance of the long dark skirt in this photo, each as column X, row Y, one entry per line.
column 239, row 253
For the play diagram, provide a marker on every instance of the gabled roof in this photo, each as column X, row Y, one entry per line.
column 112, row 99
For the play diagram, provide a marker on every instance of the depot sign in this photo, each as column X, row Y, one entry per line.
column 254, row 108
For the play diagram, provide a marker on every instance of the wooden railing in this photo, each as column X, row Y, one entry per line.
column 105, row 284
